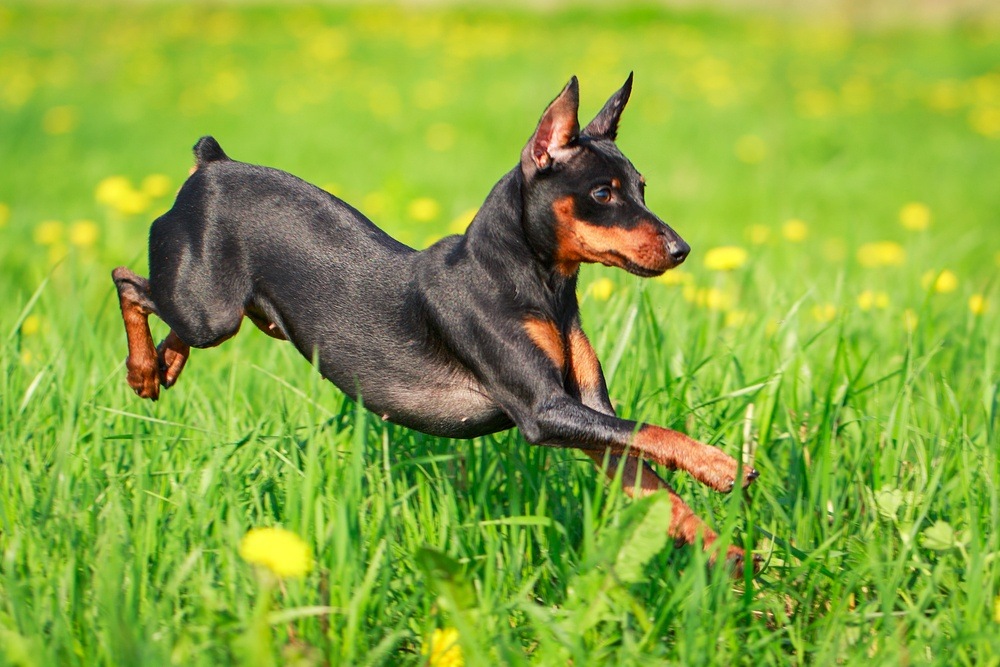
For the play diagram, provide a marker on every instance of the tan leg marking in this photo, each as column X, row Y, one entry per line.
column 546, row 336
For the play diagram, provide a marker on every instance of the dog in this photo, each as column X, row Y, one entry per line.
column 476, row 334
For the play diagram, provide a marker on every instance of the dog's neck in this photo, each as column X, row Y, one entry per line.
column 501, row 236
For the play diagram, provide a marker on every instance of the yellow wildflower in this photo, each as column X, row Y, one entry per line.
column 795, row 230
column 986, row 121
column 915, row 216
column 941, row 282
column 910, row 319
column 462, row 222
column 869, row 299
column 155, row 185
column 713, row 298
column 881, row 253
column 31, row 325
column 676, row 277
column 281, row 551
column 750, row 149
column 978, row 304
column 736, row 318
column 725, row 258
column 4, row 214
column 443, row 649
column 423, row 209
column 48, row 232
column 111, row 189
column 601, row 289
column 83, row 233
column 758, row 234
column 824, row 312
column 59, row 120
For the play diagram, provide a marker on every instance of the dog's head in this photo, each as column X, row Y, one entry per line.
column 584, row 199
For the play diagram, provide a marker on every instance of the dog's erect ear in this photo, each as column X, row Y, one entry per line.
column 605, row 123
column 557, row 131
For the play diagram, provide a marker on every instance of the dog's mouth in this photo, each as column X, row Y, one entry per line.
column 622, row 262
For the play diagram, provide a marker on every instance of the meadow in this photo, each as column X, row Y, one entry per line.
column 836, row 321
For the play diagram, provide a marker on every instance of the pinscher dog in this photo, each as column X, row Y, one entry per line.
column 476, row 334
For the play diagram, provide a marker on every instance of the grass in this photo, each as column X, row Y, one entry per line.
column 873, row 420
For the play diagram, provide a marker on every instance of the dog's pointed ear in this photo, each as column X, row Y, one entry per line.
column 557, row 131
column 605, row 123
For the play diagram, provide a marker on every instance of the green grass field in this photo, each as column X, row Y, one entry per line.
column 849, row 341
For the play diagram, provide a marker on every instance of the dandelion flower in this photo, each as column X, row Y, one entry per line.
column 725, row 258
column 978, row 304
column 281, row 551
column 111, row 189
column 31, row 325
column 443, row 649
column 795, row 230
column 601, row 289
column 881, row 253
column 869, row 299
column 915, row 216
column 155, row 185
column 462, row 222
column 83, row 233
column 824, row 312
column 676, row 277
column 941, row 282
column 48, row 232
column 713, row 298
column 736, row 318
column 423, row 209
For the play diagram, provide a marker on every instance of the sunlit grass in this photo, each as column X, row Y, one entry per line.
column 836, row 321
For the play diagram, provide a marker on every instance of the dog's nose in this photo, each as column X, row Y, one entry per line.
column 678, row 250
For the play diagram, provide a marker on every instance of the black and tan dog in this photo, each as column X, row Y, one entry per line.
column 476, row 334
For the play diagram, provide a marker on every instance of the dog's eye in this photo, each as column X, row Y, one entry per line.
column 601, row 195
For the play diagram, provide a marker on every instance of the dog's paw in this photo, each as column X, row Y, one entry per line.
column 737, row 562
column 719, row 471
column 144, row 378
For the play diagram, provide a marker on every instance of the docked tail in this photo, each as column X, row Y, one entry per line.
column 208, row 150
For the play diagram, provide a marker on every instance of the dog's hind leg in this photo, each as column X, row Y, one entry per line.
column 172, row 353
column 137, row 305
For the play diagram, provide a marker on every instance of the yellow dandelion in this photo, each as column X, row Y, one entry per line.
column 758, row 234
column 4, row 214
column 676, row 277
column 48, row 232
column 941, row 282
column 714, row 298
column 750, row 149
column 978, row 304
column 59, row 120
column 443, row 649
column 824, row 312
column 423, row 209
column 281, row 551
column 601, row 289
column 736, row 318
column 915, row 216
column 795, row 230
column 375, row 203
column 869, row 299
column 83, row 233
column 881, row 253
column 986, row 121
column 31, row 325
column 725, row 258
column 111, row 189
column 155, row 185
column 462, row 222
column 910, row 320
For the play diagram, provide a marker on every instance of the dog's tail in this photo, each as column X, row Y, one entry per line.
column 208, row 150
